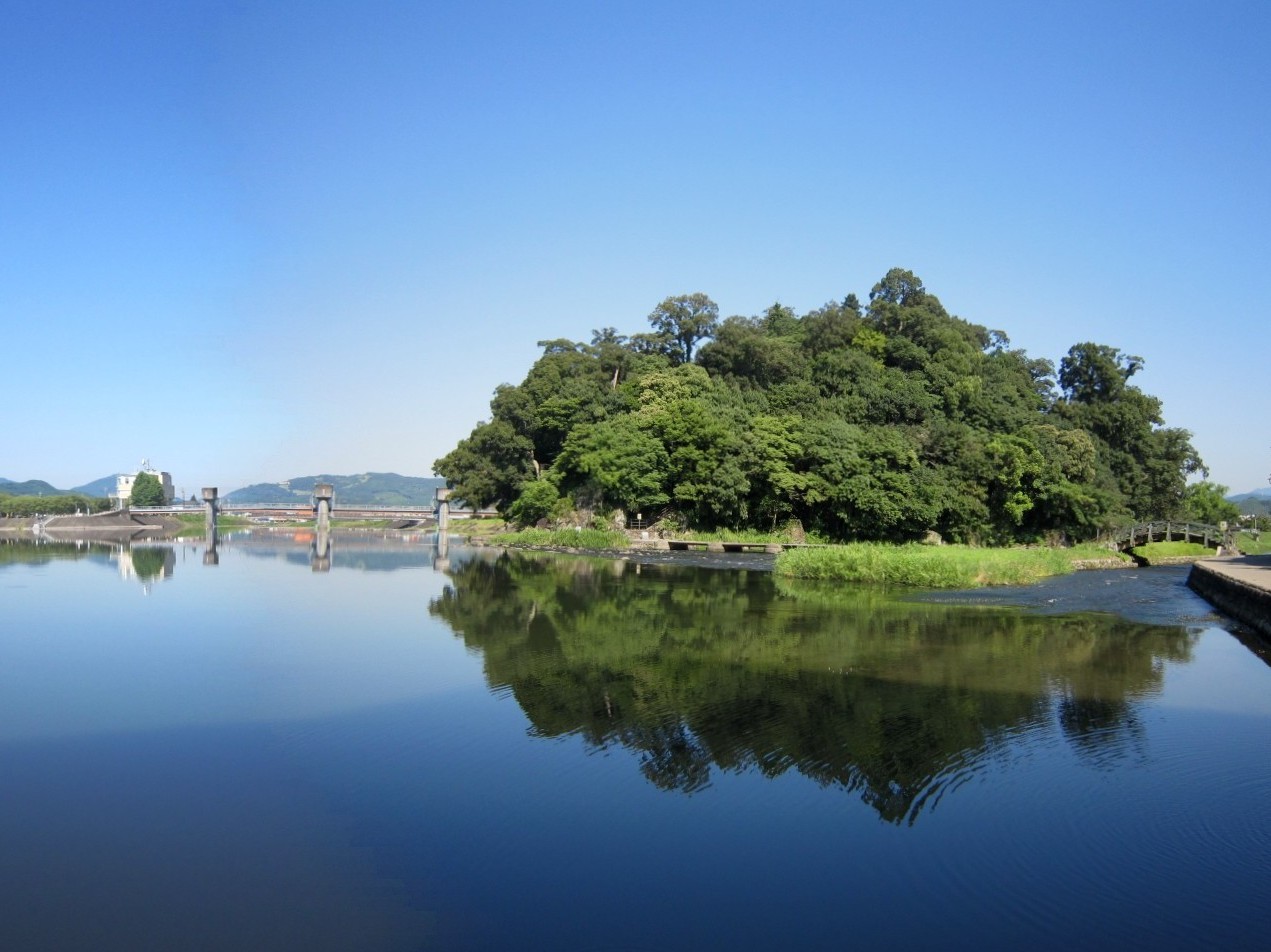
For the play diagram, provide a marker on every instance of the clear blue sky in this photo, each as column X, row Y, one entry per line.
column 252, row 241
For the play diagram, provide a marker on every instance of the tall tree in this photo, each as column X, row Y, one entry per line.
column 683, row 321
column 146, row 490
column 488, row 468
column 1150, row 462
column 1207, row 502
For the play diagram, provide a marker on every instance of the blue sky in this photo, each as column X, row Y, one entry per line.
column 250, row 241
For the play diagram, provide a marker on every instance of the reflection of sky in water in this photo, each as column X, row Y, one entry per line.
column 251, row 639
column 260, row 756
column 1153, row 596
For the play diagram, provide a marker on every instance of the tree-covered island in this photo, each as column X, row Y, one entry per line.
column 884, row 420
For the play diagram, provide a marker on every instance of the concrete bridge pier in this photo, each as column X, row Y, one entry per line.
column 209, row 508
column 443, row 511
column 323, row 497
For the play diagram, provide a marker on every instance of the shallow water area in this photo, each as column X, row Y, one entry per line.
column 354, row 742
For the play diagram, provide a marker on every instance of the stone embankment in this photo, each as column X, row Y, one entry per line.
column 114, row 524
column 1238, row 587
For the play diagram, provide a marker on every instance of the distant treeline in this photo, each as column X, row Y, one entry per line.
column 62, row 504
column 877, row 420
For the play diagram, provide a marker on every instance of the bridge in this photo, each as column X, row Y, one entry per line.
column 1144, row 532
column 303, row 510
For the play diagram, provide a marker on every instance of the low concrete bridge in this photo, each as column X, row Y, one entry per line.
column 1140, row 534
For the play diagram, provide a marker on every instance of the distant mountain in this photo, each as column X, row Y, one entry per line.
column 32, row 487
column 1256, row 503
column 1264, row 492
column 364, row 489
column 98, row 487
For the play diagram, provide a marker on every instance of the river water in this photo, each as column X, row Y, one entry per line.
column 368, row 743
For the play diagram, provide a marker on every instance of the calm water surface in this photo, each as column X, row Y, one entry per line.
column 376, row 746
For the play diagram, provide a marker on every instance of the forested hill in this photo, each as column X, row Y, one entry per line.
column 362, row 489
column 875, row 420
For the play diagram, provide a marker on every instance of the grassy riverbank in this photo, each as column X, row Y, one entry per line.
column 926, row 566
column 1254, row 546
column 1166, row 553
column 920, row 566
column 593, row 539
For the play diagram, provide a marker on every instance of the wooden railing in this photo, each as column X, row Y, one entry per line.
column 1130, row 536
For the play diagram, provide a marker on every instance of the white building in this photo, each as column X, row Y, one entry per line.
column 123, row 485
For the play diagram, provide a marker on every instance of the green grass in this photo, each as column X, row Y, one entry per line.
column 1251, row 546
column 599, row 539
column 925, row 566
column 1156, row 551
column 195, row 521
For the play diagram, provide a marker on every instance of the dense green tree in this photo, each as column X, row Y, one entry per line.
column 1150, row 463
column 1207, row 502
column 683, row 321
column 488, row 468
column 146, row 490
column 618, row 460
column 880, row 422
column 539, row 500
column 24, row 506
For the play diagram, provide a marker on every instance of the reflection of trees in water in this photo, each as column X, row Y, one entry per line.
column 38, row 552
column 150, row 562
column 699, row 669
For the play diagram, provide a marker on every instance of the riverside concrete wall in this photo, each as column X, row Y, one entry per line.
column 1239, row 587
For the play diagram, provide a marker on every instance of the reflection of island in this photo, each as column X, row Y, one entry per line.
column 697, row 669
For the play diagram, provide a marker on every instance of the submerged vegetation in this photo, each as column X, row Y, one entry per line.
column 881, row 420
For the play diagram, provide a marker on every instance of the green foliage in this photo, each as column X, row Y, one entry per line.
column 1147, row 463
column 538, row 500
column 487, row 468
column 147, row 490
column 880, row 422
column 683, row 321
column 623, row 462
column 579, row 538
column 63, row 504
column 1207, row 502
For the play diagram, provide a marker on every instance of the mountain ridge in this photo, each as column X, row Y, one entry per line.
column 371, row 489
column 367, row 489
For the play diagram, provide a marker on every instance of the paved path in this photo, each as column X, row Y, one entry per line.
column 1239, row 587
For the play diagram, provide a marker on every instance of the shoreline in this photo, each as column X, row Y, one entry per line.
column 1239, row 587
